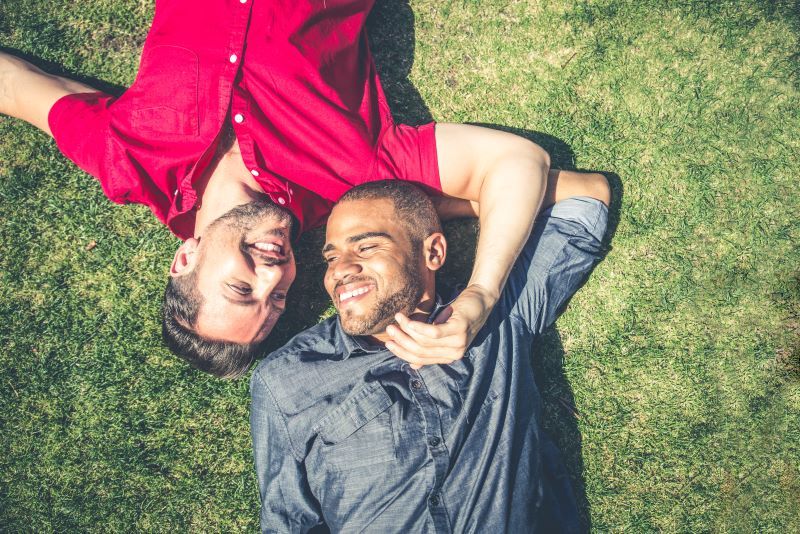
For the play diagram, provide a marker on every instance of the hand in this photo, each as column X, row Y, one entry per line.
column 449, row 337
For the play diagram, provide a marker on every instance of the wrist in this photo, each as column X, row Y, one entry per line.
column 489, row 295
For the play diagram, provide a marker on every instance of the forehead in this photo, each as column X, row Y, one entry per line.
column 358, row 216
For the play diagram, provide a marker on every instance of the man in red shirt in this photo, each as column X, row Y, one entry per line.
column 244, row 133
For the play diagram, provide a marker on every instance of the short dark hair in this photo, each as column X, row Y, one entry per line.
column 414, row 208
column 182, row 302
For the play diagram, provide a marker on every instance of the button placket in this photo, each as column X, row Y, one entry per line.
column 438, row 452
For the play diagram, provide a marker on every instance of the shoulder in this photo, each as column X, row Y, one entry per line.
column 303, row 378
column 310, row 348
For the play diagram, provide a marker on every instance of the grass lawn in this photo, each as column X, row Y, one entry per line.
column 672, row 382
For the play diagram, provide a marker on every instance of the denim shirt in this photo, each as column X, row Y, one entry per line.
column 347, row 435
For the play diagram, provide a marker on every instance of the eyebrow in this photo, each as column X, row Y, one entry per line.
column 359, row 237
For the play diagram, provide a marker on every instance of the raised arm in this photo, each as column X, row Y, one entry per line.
column 510, row 220
column 507, row 176
column 28, row 93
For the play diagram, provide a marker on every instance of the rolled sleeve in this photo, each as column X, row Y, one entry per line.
column 80, row 124
column 287, row 504
column 564, row 246
column 409, row 153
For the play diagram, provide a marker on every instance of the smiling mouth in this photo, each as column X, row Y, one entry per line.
column 346, row 296
column 272, row 252
column 263, row 246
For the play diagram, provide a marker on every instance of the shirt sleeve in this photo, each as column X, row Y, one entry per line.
column 564, row 246
column 83, row 129
column 80, row 124
column 287, row 504
column 409, row 153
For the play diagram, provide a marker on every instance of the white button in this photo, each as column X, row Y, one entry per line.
column 243, row 1
column 281, row 201
column 254, row 172
column 233, row 58
column 238, row 118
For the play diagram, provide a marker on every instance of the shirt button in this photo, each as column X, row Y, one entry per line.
column 434, row 500
column 281, row 201
column 434, row 441
column 416, row 384
column 239, row 118
column 254, row 172
column 243, row 1
column 233, row 58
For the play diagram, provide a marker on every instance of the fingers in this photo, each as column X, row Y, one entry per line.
column 416, row 361
column 409, row 343
column 423, row 344
column 423, row 331
column 451, row 334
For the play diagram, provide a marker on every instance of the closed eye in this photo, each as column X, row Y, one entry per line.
column 240, row 289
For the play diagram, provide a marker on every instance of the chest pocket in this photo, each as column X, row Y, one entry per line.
column 359, row 433
column 163, row 98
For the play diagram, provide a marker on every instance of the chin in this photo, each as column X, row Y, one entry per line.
column 360, row 325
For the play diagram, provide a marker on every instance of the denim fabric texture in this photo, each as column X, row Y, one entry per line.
column 347, row 435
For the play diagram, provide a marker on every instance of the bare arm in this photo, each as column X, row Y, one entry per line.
column 507, row 176
column 28, row 93
column 560, row 185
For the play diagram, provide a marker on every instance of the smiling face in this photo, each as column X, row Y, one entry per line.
column 244, row 266
column 374, row 268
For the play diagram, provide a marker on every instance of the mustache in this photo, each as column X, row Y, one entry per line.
column 269, row 260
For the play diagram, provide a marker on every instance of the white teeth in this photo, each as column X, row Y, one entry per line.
column 354, row 293
column 268, row 247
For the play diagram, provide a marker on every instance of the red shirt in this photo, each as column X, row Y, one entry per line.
column 304, row 98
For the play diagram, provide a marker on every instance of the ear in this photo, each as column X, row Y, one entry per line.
column 185, row 258
column 435, row 250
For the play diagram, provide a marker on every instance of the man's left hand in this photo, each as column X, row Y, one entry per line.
column 450, row 335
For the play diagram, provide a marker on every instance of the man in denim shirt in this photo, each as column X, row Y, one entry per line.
column 348, row 435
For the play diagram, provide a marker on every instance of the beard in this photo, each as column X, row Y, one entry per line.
column 403, row 300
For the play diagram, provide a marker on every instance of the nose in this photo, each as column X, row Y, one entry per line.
column 267, row 279
column 345, row 267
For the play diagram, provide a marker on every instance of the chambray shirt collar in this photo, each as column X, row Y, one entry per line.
column 347, row 345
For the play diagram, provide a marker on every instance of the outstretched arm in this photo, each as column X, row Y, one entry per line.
column 28, row 93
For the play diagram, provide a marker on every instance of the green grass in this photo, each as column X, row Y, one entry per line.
column 672, row 382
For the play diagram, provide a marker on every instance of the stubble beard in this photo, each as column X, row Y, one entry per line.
column 404, row 300
column 242, row 218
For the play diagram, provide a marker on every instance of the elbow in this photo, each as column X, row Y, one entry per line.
column 598, row 187
column 536, row 155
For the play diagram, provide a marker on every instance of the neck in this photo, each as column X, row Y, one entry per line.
column 225, row 184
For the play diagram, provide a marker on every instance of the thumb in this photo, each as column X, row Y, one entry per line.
column 444, row 315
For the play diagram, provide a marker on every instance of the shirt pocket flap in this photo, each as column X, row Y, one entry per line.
column 354, row 413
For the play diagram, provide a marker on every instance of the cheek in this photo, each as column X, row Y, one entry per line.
column 328, row 282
